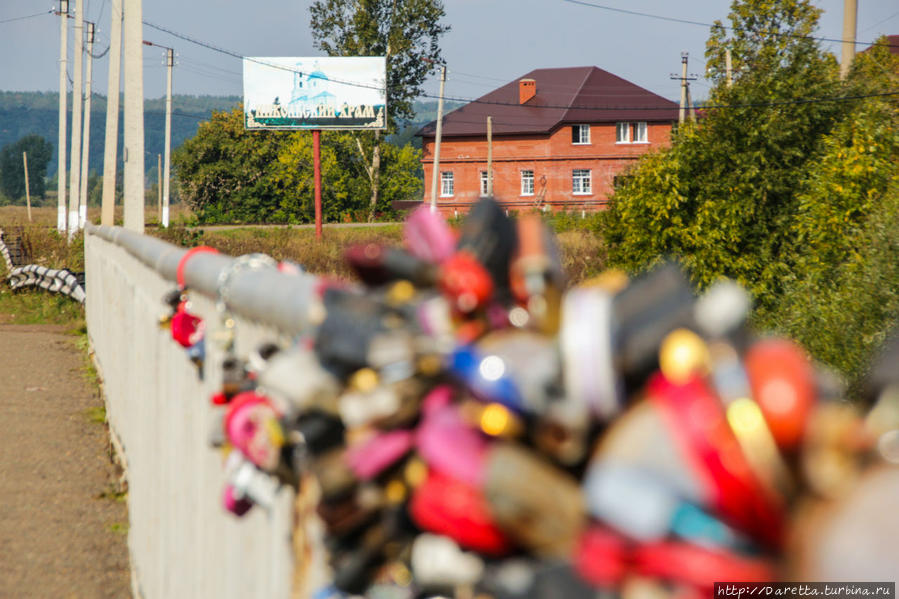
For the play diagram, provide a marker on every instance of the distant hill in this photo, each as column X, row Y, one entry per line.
column 26, row 113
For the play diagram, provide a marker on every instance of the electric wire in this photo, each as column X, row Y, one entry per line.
column 720, row 26
column 37, row 14
column 797, row 101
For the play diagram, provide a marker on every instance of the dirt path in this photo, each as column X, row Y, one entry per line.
column 62, row 530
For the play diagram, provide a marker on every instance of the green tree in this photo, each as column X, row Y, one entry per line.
column 843, row 295
column 12, row 168
column 228, row 174
column 723, row 196
column 406, row 32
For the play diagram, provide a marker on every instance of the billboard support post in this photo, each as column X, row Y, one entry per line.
column 317, row 171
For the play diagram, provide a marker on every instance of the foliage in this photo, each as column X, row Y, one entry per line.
column 723, row 197
column 229, row 174
column 226, row 172
column 794, row 199
column 844, row 295
column 12, row 167
column 406, row 32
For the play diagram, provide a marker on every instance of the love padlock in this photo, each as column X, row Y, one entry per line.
column 450, row 507
column 428, row 236
column 489, row 237
column 252, row 426
column 518, row 485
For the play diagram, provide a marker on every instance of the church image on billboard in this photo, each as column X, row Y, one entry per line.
column 315, row 93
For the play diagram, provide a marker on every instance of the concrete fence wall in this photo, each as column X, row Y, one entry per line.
column 183, row 544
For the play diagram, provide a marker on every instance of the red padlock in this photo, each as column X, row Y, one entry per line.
column 697, row 418
column 783, row 385
column 465, row 282
column 449, row 507
column 601, row 557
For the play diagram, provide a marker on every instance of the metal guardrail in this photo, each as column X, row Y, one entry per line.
column 265, row 296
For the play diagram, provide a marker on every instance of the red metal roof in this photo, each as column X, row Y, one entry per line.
column 566, row 95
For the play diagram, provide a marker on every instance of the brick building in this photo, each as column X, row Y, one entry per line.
column 560, row 137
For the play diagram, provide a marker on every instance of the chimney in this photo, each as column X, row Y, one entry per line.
column 527, row 89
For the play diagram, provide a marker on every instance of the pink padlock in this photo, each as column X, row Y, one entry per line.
column 251, row 425
column 447, row 443
column 235, row 505
column 371, row 457
column 428, row 236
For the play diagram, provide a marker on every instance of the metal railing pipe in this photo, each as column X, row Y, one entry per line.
column 286, row 302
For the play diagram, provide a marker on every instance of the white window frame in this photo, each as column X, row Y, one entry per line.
column 632, row 132
column 447, row 184
column 527, row 176
column 639, row 132
column 484, row 184
column 581, row 183
column 583, row 131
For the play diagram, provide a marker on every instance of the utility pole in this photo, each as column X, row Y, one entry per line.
column 490, row 156
column 850, row 10
column 75, row 167
column 63, row 109
column 692, row 109
column 435, row 175
column 169, row 63
column 27, row 190
column 159, row 187
column 110, row 148
column 681, row 115
column 85, row 148
column 729, row 66
column 134, row 115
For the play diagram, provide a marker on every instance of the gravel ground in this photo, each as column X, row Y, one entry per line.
column 63, row 531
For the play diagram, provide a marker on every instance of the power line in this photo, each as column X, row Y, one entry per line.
column 550, row 107
column 719, row 26
column 37, row 14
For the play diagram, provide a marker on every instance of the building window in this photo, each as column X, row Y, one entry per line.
column 626, row 133
column 446, row 184
column 580, row 181
column 527, row 183
column 483, row 184
column 580, row 134
column 638, row 132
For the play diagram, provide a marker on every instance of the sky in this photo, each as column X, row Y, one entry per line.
column 491, row 42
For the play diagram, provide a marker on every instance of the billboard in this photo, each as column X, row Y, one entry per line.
column 315, row 93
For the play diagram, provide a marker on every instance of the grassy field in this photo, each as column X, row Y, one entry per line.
column 581, row 248
column 582, row 251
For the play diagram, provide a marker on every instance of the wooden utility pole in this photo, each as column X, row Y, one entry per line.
column 134, row 115
column 317, row 179
column 27, row 189
column 850, row 10
column 63, row 110
column 75, row 167
column 85, row 148
column 436, row 174
column 110, row 151
column 169, row 63
column 490, row 156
